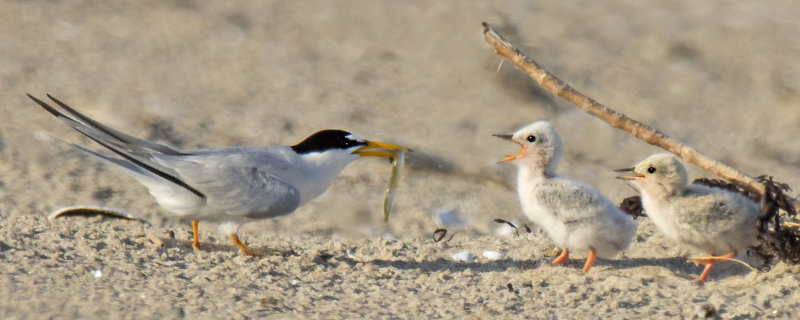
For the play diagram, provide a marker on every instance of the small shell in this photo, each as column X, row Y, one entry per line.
column 463, row 256
column 493, row 255
column 505, row 230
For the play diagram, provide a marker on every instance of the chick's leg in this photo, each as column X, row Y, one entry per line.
column 561, row 258
column 589, row 260
column 709, row 262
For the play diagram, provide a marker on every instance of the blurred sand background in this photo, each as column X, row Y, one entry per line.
column 722, row 76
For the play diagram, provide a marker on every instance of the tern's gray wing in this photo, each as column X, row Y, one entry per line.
column 572, row 203
column 240, row 181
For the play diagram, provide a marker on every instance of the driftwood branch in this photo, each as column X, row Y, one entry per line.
column 615, row 119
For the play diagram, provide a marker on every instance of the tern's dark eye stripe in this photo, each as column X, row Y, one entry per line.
column 327, row 140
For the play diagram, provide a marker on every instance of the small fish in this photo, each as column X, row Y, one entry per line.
column 398, row 161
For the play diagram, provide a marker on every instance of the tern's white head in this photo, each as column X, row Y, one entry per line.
column 541, row 147
column 331, row 150
column 658, row 174
column 325, row 153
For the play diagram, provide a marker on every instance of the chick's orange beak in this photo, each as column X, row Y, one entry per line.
column 519, row 154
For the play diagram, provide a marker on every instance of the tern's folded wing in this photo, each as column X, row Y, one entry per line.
column 247, row 192
column 240, row 181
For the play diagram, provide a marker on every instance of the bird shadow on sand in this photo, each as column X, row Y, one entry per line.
column 678, row 265
column 442, row 264
column 216, row 247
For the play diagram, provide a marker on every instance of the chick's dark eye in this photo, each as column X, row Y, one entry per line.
column 531, row 139
column 651, row 170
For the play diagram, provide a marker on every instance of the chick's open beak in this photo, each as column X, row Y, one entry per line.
column 634, row 176
column 379, row 149
column 512, row 157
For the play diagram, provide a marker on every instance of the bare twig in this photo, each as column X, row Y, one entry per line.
column 618, row 120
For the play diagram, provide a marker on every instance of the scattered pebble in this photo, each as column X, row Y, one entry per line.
column 493, row 255
column 154, row 239
column 463, row 256
column 705, row 311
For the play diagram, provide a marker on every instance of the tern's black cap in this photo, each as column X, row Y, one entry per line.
column 327, row 140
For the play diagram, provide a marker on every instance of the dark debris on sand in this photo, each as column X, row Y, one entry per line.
column 632, row 206
column 777, row 242
column 732, row 187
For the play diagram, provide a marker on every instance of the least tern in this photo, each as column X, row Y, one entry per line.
column 574, row 215
column 712, row 220
column 228, row 185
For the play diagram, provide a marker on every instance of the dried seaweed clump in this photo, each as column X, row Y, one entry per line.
column 732, row 187
column 777, row 241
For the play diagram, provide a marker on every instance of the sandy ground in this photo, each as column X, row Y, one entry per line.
column 722, row 76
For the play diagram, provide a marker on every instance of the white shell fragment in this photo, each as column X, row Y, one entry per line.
column 463, row 256
column 92, row 210
column 98, row 274
column 388, row 236
column 448, row 217
column 493, row 255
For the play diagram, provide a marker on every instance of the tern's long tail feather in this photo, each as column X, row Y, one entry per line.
column 121, row 140
column 136, row 152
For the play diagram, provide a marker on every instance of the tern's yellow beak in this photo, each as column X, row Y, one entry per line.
column 634, row 176
column 379, row 149
column 519, row 154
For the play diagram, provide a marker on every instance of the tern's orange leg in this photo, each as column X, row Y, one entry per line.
column 589, row 260
column 195, row 239
column 561, row 258
column 709, row 262
column 241, row 245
